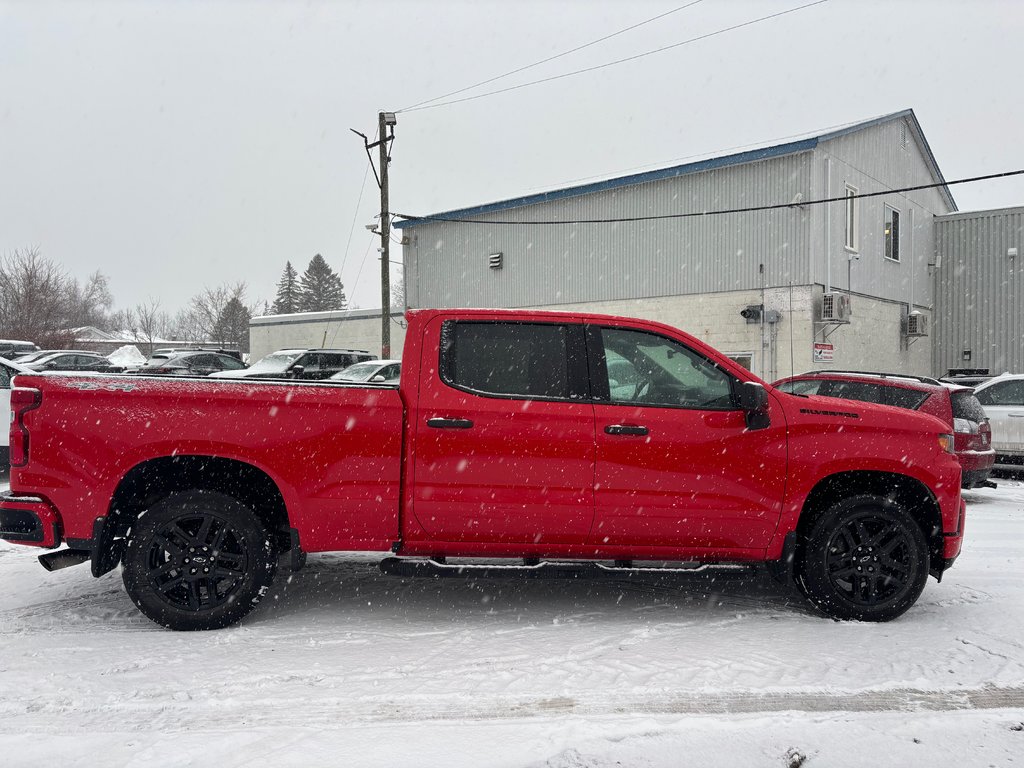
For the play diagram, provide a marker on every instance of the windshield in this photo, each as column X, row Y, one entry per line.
column 278, row 362
column 358, row 372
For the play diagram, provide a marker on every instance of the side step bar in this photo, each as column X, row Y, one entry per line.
column 413, row 568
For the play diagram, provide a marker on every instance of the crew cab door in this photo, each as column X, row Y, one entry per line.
column 677, row 465
column 504, row 442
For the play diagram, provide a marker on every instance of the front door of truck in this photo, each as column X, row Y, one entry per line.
column 676, row 464
column 504, row 444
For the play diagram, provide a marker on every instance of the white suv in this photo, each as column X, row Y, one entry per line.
column 1003, row 401
column 7, row 371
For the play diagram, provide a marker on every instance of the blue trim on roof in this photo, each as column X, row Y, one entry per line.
column 725, row 161
column 749, row 156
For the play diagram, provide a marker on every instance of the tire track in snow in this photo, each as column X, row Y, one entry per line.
column 192, row 714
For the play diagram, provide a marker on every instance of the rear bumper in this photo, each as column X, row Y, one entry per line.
column 974, row 478
column 29, row 520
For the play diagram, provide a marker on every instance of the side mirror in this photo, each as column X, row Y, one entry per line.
column 296, row 371
column 753, row 398
column 378, row 378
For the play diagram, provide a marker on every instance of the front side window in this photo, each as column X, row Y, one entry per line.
column 506, row 359
column 851, row 217
column 6, row 374
column 647, row 369
column 1003, row 393
column 892, row 234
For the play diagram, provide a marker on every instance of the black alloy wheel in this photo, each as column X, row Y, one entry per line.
column 198, row 560
column 865, row 558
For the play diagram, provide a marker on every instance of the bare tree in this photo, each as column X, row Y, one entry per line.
column 212, row 312
column 35, row 299
column 90, row 304
column 398, row 289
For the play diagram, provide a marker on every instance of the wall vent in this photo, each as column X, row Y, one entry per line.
column 495, row 261
column 904, row 142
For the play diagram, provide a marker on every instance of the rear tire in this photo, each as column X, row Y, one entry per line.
column 865, row 559
column 198, row 560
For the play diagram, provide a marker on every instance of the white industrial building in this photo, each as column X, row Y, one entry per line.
column 848, row 284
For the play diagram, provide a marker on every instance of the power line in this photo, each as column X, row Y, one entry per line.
column 550, row 58
column 749, row 209
column 617, row 61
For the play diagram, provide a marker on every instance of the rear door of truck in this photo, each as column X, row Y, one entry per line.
column 504, row 442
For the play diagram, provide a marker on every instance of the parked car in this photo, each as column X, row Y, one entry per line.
column 12, row 348
column 955, row 405
column 372, row 372
column 309, row 364
column 72, row 361
column 1003, row 400
column 968, row 377
column 190, row 363
column 39, row 354
column 504, row 439
column 7, row 370
column 168, row 351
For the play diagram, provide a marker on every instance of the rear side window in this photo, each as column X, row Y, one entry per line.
column 901, row 397
column 510, row 359
column 855, row 390
column 966, row 406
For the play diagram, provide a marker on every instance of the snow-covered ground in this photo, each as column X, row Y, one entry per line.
column 344, row 666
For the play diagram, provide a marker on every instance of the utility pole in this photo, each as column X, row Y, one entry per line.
column 385, row 120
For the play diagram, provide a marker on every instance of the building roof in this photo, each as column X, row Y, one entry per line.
column 722, row 161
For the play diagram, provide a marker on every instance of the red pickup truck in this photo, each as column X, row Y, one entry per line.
column 552, row 438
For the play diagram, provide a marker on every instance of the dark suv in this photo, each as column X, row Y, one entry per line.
column 190, row 363
column 955, row 405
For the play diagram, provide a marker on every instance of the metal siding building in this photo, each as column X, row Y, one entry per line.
column 655, row 268
column 980, row 291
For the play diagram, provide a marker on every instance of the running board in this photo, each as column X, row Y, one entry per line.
column 413, row 568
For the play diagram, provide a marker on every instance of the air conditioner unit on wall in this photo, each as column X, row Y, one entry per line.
column 835, row 307
column 917, row 324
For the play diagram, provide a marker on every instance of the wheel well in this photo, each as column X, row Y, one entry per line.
column 155, row 479
column 911, row 494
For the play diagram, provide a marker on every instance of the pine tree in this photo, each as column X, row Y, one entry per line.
column 320, row 288
column 288, row 292
column 233, row 324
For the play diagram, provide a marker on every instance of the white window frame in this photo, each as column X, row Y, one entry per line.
column 896, row 241
column 852, row 216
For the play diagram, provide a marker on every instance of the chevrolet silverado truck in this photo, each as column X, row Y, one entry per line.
column 550, row 439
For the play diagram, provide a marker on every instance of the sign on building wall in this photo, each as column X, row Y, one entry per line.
column 822, row 352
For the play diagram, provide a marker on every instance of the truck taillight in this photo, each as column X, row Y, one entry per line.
column 23, row 400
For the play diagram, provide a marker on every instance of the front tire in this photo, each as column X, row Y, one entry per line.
column 865, row 559
column 198, row 560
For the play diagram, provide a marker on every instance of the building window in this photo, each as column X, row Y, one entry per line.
column 851, row 218
column 892, row 234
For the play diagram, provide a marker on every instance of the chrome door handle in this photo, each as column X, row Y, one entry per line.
column 441, row 423
column 1017, row 415
column 625, row 429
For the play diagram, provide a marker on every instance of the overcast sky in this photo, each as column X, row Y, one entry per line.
column 173, row 145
